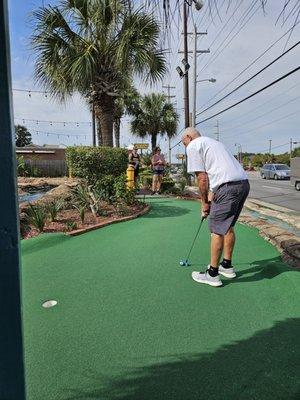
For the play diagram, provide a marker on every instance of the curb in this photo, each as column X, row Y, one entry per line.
column 286, row 242
column 270, row 210
column 103, row 224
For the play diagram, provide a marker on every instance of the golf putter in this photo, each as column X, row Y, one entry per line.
column 185, row 262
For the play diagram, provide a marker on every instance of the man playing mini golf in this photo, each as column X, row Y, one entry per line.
column 219, row 172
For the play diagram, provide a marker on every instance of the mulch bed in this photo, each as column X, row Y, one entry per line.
column 110, row 213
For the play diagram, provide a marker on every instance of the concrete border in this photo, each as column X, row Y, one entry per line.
column 271, row 210
column 286, row 242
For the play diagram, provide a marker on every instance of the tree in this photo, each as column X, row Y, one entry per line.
column 170, row 120
column 154, row 116
column 23, row 136
column 296, row 152
column 94, row 48
column 125, row 104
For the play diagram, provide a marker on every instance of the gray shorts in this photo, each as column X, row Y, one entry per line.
column 227, row 205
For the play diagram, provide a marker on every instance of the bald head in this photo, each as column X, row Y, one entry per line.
column 189, row 134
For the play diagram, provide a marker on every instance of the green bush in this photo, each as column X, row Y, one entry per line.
column 105, row 188
column 94, row 163
column 37, row 216
column 167, row 184
column 70, row 226
column 86, row 196
column 54, row 207
column 121, row 191
column 21, row 166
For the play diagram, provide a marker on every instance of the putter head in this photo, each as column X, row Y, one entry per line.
column 187, row 264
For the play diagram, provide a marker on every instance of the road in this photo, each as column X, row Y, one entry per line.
column 280, row 193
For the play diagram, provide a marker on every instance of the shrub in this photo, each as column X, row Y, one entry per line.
column 84, row 197
column 37, row 216
column 105, row 188
column 70, row 226
column 54, row 207
column 21, row 166
column 182, row 185
column 121, row 191
column 167, row 184
column 146, row 159
column 95, row 163
column 81, row 209
column 146, row 180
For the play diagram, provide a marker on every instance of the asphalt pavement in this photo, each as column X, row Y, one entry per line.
column 280, row 193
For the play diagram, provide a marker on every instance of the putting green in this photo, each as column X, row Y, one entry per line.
column 131, row 324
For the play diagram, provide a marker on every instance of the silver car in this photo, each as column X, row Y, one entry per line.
column 275, row 171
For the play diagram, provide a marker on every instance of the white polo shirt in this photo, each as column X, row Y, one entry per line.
column 208, row 155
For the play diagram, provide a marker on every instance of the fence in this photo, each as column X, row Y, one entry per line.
column 49, row 168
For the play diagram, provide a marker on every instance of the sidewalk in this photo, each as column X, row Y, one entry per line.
column 131, row 324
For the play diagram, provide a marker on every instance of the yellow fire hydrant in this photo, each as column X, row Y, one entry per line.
column 130, row 177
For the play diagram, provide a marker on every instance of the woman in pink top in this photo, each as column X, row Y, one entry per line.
column 158, row 166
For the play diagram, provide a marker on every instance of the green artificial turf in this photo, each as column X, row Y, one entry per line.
column 131, row 324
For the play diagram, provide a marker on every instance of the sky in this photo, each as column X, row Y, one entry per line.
column 235, row 38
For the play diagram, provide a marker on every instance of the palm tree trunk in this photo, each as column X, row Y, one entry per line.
column 153, row 140
column 105, row 114
column 117, row 124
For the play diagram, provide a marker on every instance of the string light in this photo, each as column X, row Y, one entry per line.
column 64, row 123
column 60, row 134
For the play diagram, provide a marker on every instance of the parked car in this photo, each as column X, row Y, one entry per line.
column 275, row 171
column 295, row 172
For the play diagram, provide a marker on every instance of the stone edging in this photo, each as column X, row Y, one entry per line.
column 103, row 224
column 274, row 211
column 286, row 242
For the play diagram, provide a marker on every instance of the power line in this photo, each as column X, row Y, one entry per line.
column 251, row 95
column 226, row 23
column 250, row 65
column 262, row 115
column 242, row 18
column 264, row 103
column 250, row 79
column 263, row 126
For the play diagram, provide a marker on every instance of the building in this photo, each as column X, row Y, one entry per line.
column 47, row 160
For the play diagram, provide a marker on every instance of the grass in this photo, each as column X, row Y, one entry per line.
column 131, row 324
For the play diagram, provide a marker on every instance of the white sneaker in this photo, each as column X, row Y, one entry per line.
column 227, row 272
column 204, row 277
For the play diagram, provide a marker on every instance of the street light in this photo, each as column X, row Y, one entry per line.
column 240, row 153
column 198, row 4
column 212, row 80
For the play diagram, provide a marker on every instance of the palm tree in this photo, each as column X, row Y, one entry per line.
column 95, row 47
column 125, row 104
column 170, row 120
column 154, row 116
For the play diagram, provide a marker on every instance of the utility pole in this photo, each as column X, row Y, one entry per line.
column 270, row 146
column 291, row 147
column 186, row 75
column 217, row 132
column 169, row 97
column 12, row 385
column 196, row 52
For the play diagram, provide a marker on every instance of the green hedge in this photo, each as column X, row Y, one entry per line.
column 94, row 163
